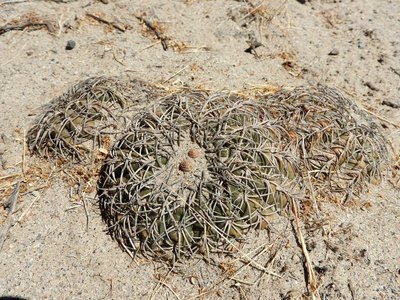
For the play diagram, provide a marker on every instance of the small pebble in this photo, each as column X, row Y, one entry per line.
column 334, row 51
column 70, row 45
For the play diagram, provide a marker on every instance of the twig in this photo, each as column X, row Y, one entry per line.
column 34, row 25
column 116, row 58
column 395, row 71
column 242, row 281
column 43, row 186
column 313, row 193
column 9, row 176
column 158, row 34
column 23, row 154
column 158, row 286
column 13, row 1
column 270, row 261
column 83, row 200
column 312, row 279
column 71, row 176
column 252, row 11
column 352, row 291
column 372, row 113
column 177, row 73
column 244, row 258
column 8, row 185
column 149, row 46
column 194, row 49
column 380, row 117
column 73, row 207
column 86, row 212
column 60, row 24
column 250, row 261
column 102, row 20
column 28, row 209
column 23, row 1
column 173, row 292
column 11, row 203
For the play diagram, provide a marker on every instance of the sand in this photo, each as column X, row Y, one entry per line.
column 56, row 247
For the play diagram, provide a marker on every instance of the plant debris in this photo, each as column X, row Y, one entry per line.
column 30, row 24
column 155, row 29
column 103, row 20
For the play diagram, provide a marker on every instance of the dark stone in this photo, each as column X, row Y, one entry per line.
column 371, row 86
column 70, row 45
column 390, row 104
column 334, row 51
column 321, row 270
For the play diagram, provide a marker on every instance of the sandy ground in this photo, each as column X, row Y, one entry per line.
column 55, row 251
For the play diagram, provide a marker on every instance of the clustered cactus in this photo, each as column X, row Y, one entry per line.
column 191, row 171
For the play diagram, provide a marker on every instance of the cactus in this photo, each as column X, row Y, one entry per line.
column 340, row 146
column 74, row 124
column 154, row 191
